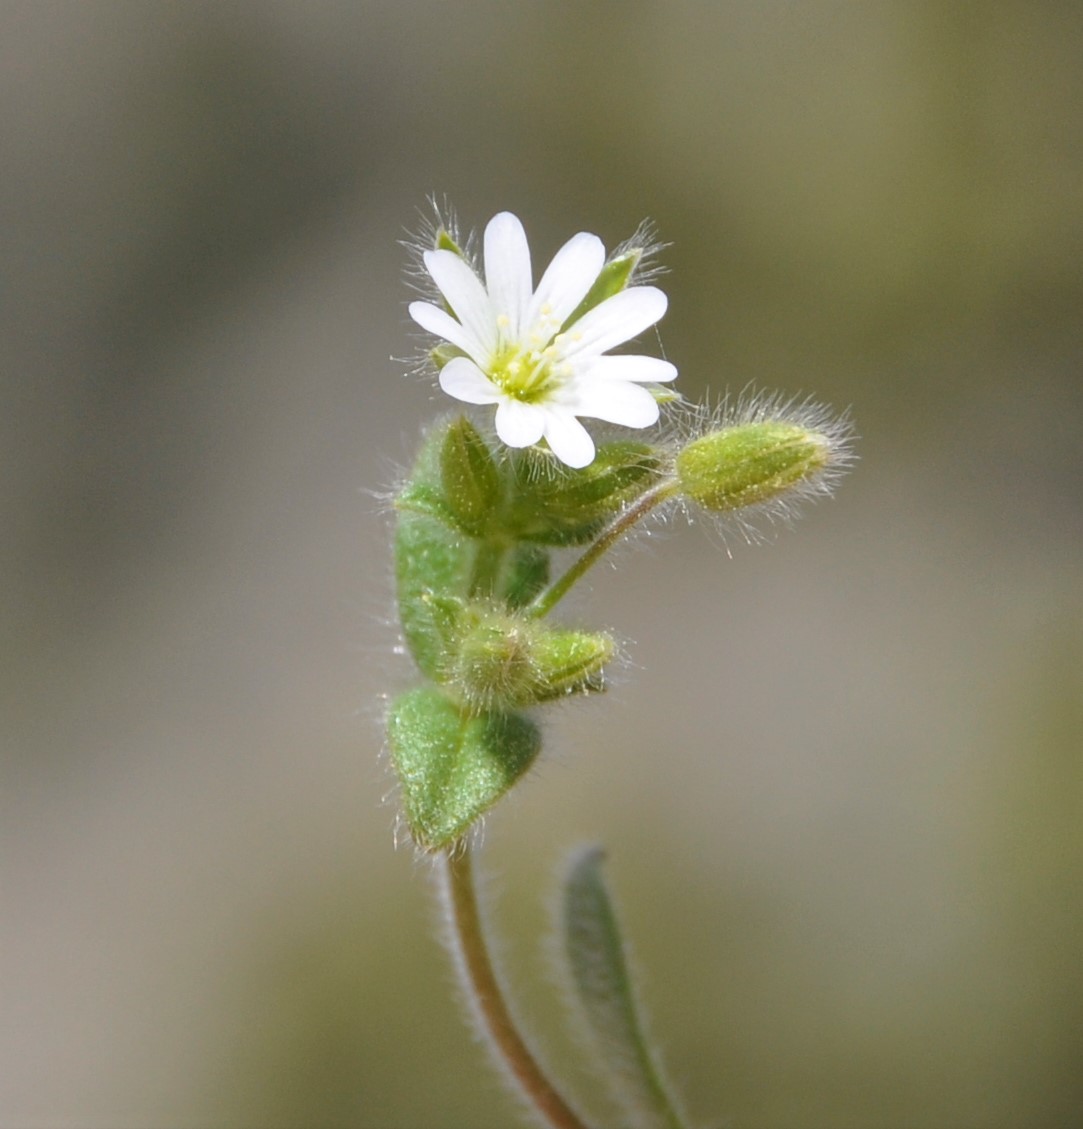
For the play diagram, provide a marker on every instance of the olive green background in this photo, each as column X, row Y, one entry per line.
column 840, row 775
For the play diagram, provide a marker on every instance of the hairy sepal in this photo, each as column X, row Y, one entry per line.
column 558, row 507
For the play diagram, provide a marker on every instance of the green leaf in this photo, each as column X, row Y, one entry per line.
column 602, row 986
column 432, row 564
column 452, row 767
column 434, row 559
column 553, row 505
column 423, row 490
column 470, row 479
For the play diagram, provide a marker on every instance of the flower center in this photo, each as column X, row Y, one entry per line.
column 529, row 374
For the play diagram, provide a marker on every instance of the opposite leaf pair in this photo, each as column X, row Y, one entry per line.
column 472, row 548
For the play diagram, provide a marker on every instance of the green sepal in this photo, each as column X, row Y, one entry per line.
column 602, row 987
column 441, row 354
column 553, row 505
column 470, row 478
column 528, row 574
column 570, row 662
column 750, row 463
column 444, row 242
column 612, row 279
column 452, row 767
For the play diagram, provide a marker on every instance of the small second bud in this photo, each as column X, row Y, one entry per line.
column 508, row 662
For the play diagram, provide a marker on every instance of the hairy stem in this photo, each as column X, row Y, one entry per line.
column 483, row 990
column 486, row 572
column 608, row 538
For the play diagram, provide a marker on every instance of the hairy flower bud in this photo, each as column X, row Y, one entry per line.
column 750, row 463
column 506, row 661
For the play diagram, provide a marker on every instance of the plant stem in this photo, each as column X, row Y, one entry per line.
column 485, row 995
column 486, row 570
column 609, row 536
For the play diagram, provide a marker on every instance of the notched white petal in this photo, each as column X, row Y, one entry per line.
column 614, row 321
column 519, row 424
column 507, row 273
column 566, row 281
column 440, row 323
column 464, row 293
column 643, row 370
column 568, row 439
column 463, row 380
column 616, row 402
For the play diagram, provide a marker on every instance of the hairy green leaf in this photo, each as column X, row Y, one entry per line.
column 452, row 767
column 603, row 990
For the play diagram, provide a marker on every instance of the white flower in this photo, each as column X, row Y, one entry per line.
column 540, row 378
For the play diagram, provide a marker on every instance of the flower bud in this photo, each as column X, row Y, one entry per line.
column 506, row 662
column 751, row 463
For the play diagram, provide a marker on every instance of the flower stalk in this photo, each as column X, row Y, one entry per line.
column 621, row 525
column 483, row 991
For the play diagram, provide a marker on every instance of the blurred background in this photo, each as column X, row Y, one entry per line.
column 840, row 780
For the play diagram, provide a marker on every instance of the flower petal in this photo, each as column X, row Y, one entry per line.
column 519, row 424
column 461, row 378
column 616, row 402
column 646, row 370
column 464, row 293
column 441, row 324
column 507, row 273
column 564, row 285
column 568, row 439
column 614, row 321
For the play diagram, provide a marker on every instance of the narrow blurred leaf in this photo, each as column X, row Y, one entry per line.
column 599, row 976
